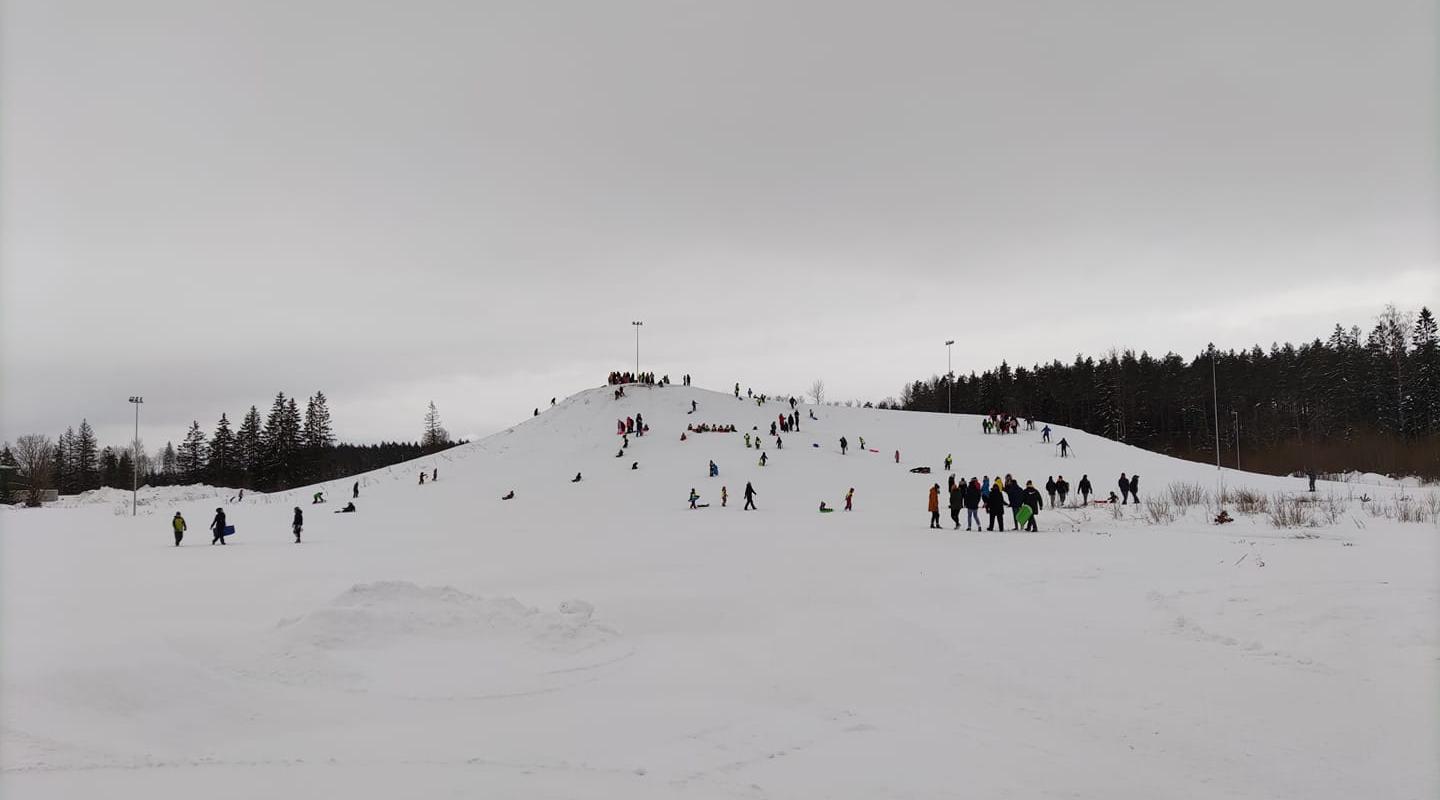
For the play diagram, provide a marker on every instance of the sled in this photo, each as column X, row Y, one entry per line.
column 827, row 511
column 1023, row 515
column 921, row 470
column 229, row 531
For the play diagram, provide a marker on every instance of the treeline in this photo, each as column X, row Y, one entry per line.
column 1352, row 401
column 284, row 449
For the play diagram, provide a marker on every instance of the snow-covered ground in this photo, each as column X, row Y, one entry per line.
column 599, row 639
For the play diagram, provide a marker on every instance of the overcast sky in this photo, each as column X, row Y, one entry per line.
column 207, row 202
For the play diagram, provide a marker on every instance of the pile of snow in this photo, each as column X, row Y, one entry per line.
column 417, row 641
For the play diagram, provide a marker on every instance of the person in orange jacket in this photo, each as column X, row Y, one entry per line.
column 935, row 506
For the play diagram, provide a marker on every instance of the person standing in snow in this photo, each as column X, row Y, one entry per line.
column 1310, row 473
column 355, row 490
column 763, row 458
column 218, row 526
column 897, row 456
column 434, row 474
column 749, row 497
column 1050, row 488
column 1085, row 489
column 1124, row 484
column 934, row 506
column 972, row 503
column 948, row 462
column 694, row 498
column 995, row 509
column 1062, row 488
column 1032, row 499
column 299, row 522
column 957, row 501
column 1064, row 447
column 1045, row 434
column 843, row 444
column 178, row 524
column 1016, row 497
column 724, row 496
column 850, row 499
column 422, row 477
column 1135, row 487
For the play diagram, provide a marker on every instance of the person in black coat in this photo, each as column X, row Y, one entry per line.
column 1050, row 489
column 1085, row 489
column 957, row 502
column 972, row 502
column 1124, row 484
column 1016, row 496
column 1032, row 498
column 218, row 526
column 1062, row 490
column 1135, row 487
column 749, row 497
column 298, row 522
column 995, row 508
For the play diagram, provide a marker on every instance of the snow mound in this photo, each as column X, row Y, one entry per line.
column 396, row 637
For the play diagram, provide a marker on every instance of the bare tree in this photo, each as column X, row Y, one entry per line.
column 817, row 391
column 35, row 454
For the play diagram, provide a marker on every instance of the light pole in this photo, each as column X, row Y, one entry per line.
column 1235, row 415
column 949, row 375
column 135, row 459
column 637, row 348
column 1215, row 404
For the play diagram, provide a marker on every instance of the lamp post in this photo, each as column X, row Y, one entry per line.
column 135, row 458
column 1235, row 416
column 1215, row 405
column 949, row 375
column 637, row 348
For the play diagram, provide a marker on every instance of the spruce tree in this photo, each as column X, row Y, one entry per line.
column 109, row 467
column 1425, row 384
column 8, row 468
column 249, row 449
column 169, row 462
column 317, row 434
column 192, row 455
column 64, row 469
column 85, row 456
column 281, row 444
column 222, row 454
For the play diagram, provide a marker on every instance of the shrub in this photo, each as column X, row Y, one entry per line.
column 1290, row 511
column 1185, row 495
column 1159, row 511
column 1249, row 501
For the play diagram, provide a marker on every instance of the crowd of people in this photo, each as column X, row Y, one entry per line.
column 1001, row 423
column 706, row 427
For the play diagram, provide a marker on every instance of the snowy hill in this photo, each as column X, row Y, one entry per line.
column 599, row 639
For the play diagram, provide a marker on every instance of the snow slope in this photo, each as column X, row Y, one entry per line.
column 599, row 639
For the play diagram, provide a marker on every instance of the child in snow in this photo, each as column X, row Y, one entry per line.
column 849, row 498
column 694, row 498
column 178, row 524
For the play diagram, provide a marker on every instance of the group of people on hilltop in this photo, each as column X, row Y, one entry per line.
column 643, row 378
column 1001, row 423
column 787, row 422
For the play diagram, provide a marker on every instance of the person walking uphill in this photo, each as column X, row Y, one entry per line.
column 934, row 506
column 1135, row 487
column 1124, row 484
column 299, row 522
column 178, row 524
column 1016, row 496
column 218, row 526
column 749, row 497
column 1085, row 489
column 1050, row 488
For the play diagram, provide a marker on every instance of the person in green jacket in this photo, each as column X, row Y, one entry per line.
column 178, row 523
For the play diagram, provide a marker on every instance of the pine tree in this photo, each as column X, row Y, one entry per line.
column 8, row 467
column 317, row 433
column 169, row 463
column 86, row 457
column 223, row 446
column 281, row 444
column 125, row 470
column 435, row 434
column 249, row 448
column 64, row 469
column 1425, row 386
column 109, row 467
column 192, row 455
